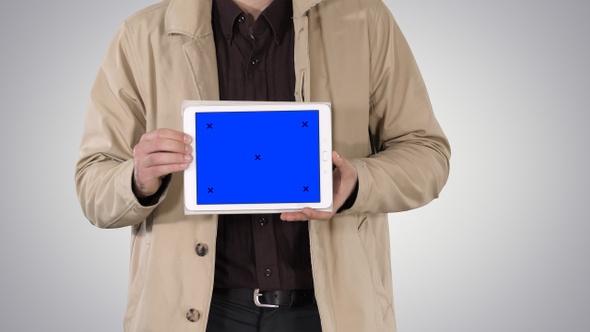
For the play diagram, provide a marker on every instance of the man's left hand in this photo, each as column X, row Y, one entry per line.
column 345, row 177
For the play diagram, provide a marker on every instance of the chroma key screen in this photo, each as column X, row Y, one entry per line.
column 257, row 157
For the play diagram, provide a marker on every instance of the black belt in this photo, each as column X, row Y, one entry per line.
column 270, row 299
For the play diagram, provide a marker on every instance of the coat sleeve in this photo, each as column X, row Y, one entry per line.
column 114, row 123
column 410, row 165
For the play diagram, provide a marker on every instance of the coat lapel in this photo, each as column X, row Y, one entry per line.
column 200, row 50
column 202, row 61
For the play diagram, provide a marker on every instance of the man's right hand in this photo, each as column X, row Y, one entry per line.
column 159, row 153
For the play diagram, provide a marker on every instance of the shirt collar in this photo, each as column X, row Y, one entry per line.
column 227, row 13
column 192, row 18
column 278, row 14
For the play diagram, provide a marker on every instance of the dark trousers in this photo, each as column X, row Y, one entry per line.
column 240, row 314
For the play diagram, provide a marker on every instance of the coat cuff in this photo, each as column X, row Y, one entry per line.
column 135, row 211
column 155, row 198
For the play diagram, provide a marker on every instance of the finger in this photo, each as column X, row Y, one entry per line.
column 306, row 214
column 162, row 145
column 343, row 164
column 344, row 169
column 317, row 215
column 166, row 133
column 164, row 158
column 336, row 159
column 169, row 168
column 293, row 216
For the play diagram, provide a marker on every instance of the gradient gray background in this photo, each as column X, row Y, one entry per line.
column 505, row 248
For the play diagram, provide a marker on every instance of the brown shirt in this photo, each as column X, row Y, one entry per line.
column 255, row 62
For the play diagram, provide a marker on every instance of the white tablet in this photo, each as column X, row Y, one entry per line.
column 258, row 157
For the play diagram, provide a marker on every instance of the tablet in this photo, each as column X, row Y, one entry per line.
column 258, row 157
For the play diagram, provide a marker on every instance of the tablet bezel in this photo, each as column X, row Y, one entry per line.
column 190, row 108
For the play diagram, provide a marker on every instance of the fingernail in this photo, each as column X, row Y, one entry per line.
column 188, row 157
column 187, row 138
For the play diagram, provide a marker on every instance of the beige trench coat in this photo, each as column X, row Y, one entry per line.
column 348, row 52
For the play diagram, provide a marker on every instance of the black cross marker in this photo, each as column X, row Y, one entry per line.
column 306, row 189
column 256, row 157
column 210, row 190
column 210, row 126
column 304, row 124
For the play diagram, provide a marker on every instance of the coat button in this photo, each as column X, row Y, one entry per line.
column 201, row 249
column 262, row 221
column 193, row 315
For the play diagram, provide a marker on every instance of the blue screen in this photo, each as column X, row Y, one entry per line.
column 258, row 157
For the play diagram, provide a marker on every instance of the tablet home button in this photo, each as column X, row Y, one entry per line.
column 325, row 156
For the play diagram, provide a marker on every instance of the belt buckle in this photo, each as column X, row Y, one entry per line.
column 257, row 296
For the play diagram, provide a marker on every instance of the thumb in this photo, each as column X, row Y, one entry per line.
column 336, row 159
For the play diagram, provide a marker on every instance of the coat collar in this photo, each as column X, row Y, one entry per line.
column 193, row 17
column 189, row 17
column 300, row 7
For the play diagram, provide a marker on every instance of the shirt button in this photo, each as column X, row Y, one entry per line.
column 254, row 62
column 193, row 315
column 262, row 221
column 201, row 249
column 268, row 272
